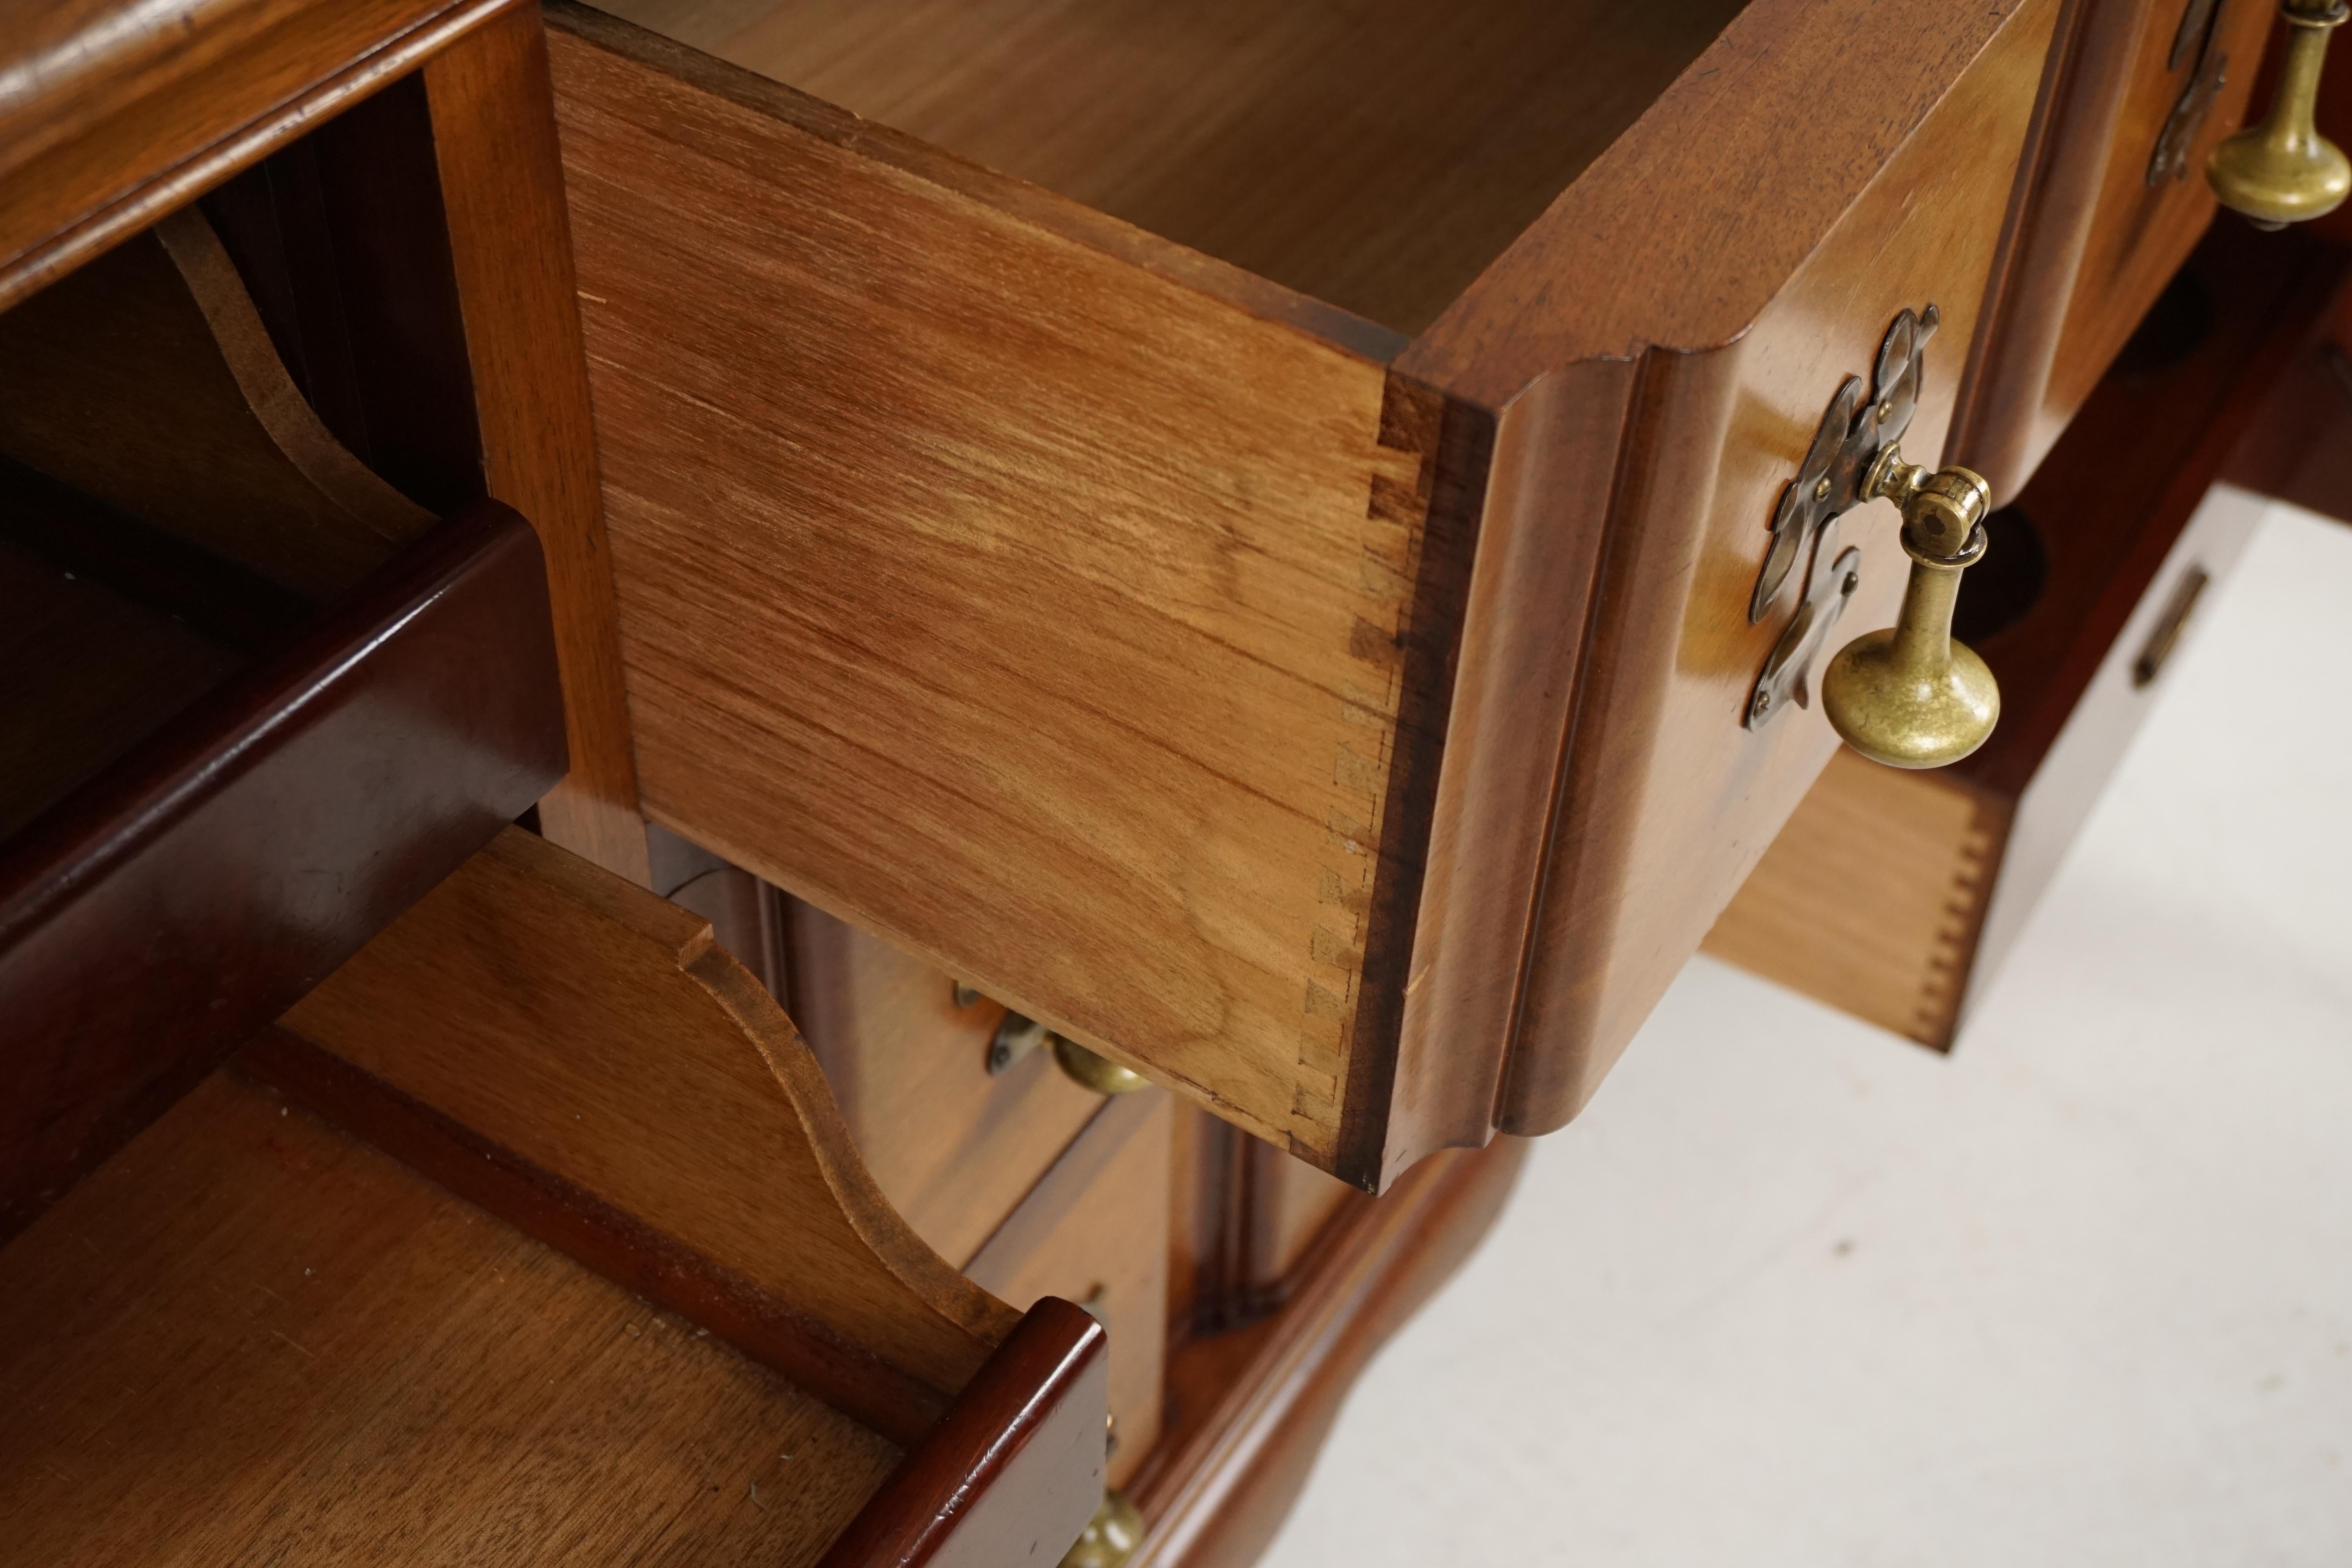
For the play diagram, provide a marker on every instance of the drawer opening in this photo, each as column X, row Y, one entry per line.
column 1376, row 155
column 216, row 431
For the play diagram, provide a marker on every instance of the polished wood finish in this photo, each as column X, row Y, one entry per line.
column 1324, row 150
column 86, row 673
column 1896, row 896
column 598, row 1033
column 502, row 189
column 1012, row 1473
column 953, row 1146
column 249, row 1339
column 2098, row 240
column 1772, row 278
column 1095, row 1230
column 926, row 625
column 1249, row 1409
column 113, row 115
column 242, row 851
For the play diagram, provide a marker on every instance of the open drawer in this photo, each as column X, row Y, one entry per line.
column 256, row 700
column 1262, row 583
column 1895, row 896
column 686, row 1328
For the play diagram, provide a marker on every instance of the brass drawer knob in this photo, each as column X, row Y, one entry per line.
column 2283, row 171
column 1911, row 697
column 1111, row 1537
column 1097, row 1071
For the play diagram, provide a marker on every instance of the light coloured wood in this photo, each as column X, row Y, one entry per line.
column 147, row 380
column 1374, row 156
column 502, row 193
column 952, row 1147
column 966, row 567
column 600, row 1033
column 1871, row 898
column 1095, row 1230
column 248, row 1340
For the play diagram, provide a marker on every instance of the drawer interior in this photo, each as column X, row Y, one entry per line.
column 250, row 1338
column 192, row 426
column 1375, row 154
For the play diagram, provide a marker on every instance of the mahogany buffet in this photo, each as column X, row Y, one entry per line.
column 831, row 784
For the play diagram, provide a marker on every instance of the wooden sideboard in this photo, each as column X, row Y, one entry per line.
column 804, row 783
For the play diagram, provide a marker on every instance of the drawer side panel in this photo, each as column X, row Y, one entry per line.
column 1042, row 614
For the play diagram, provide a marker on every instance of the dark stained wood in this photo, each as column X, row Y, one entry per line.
column 1094, row 1229
column 2139, row 456
column 248, row 1340
column 510, row 240
column 340, row 236
column 2098, row 241
column 1013, row 1472
column 1249, row 1408
column 147, row 379
column 244, row 851
column 563, row 1216
column 95, row 542
column 114, row 114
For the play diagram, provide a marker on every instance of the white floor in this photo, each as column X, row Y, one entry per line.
column 1794, row 1292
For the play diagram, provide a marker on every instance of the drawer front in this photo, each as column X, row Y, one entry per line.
column 2117, row 197
column 1765, row 290
column 953, row 1145
column 1093, row 1230
column 1896, row 896
column 237, row 856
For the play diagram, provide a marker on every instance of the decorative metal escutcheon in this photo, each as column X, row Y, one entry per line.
column 1827, row 483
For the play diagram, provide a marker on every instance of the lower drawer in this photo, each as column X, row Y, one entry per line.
column 1895, row 896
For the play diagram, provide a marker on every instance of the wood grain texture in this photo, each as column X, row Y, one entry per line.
column 2139, row 234
column 502, row 192
column 599, row 1033
column 1250, row 1409
column 953, row 1147
column 113, row 115
column 1012, row 1473
column 1094, row 1229
column 1327, row 148
column 561, row 1215
column 250, row 1339
column 1665, row 801
column 244, row 849
column 1048, row 586
column 147, row 381
column 1871, row 897
column 1897, row 896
